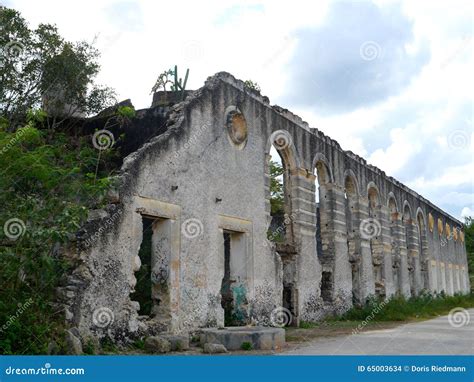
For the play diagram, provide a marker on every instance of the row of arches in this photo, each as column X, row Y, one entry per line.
column 397, row 241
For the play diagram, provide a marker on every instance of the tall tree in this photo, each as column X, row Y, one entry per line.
column 276, row 188
column 39, row 68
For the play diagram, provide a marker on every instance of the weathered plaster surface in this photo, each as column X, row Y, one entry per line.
column 208, row 173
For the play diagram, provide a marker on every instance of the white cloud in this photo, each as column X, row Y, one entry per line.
column 409, row 134
column 467, row 212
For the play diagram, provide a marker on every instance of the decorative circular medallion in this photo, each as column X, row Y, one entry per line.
column 236, row 126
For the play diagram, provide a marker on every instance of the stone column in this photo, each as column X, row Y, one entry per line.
column 450, row 279
column 304, row 263
column 342, row 266
column 442, row 282
column 387, row 266
column 373, row 229
column 425, row 263
column 457, row 281
column 403, row 276
column 414, row 258
column 335, row 258
column 362, row 244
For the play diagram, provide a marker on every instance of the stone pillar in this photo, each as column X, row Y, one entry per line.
column 366, row 269
column 425, row 265
column 457, row 281
column 433, row 278
column 342, row 266
column 463, row 277
column 450, row 280
column 353, row 246
column 414, row 258
column 304, row 263
column 403, row 276
column 387, row 266
column 377, row 250
column 335, row 258
column 442, row 274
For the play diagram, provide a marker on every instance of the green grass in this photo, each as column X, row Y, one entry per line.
column 400, row 309
column 308, row 325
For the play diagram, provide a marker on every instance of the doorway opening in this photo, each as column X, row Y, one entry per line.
column 152, row 289
column 234, row 283
column 142, row 293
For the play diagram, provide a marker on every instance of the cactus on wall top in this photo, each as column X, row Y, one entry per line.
column 171, row 77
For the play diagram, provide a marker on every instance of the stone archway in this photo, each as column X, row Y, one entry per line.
column 323, row 229
column 281, row 220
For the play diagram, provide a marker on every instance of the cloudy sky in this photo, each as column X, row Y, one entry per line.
column 390, row 80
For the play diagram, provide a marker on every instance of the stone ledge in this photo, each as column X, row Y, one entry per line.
column 232, row 338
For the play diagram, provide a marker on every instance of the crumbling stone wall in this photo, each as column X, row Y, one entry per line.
column 207, row 174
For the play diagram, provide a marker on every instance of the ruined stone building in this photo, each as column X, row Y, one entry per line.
column 201, row 185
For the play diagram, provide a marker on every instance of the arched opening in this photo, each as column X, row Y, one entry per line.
column 280, row 166
column 408, row 224
column 350, row 194
column 423, row 248
column 373, row 230
column 322, row 178
column 281, row 227
column 394, row 217
column 322, row 231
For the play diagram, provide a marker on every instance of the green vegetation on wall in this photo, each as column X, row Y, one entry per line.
column 49, row 178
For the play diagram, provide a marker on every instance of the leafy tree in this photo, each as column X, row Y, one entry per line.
column 277, row 198
column 38, row 66
column 48, row 179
